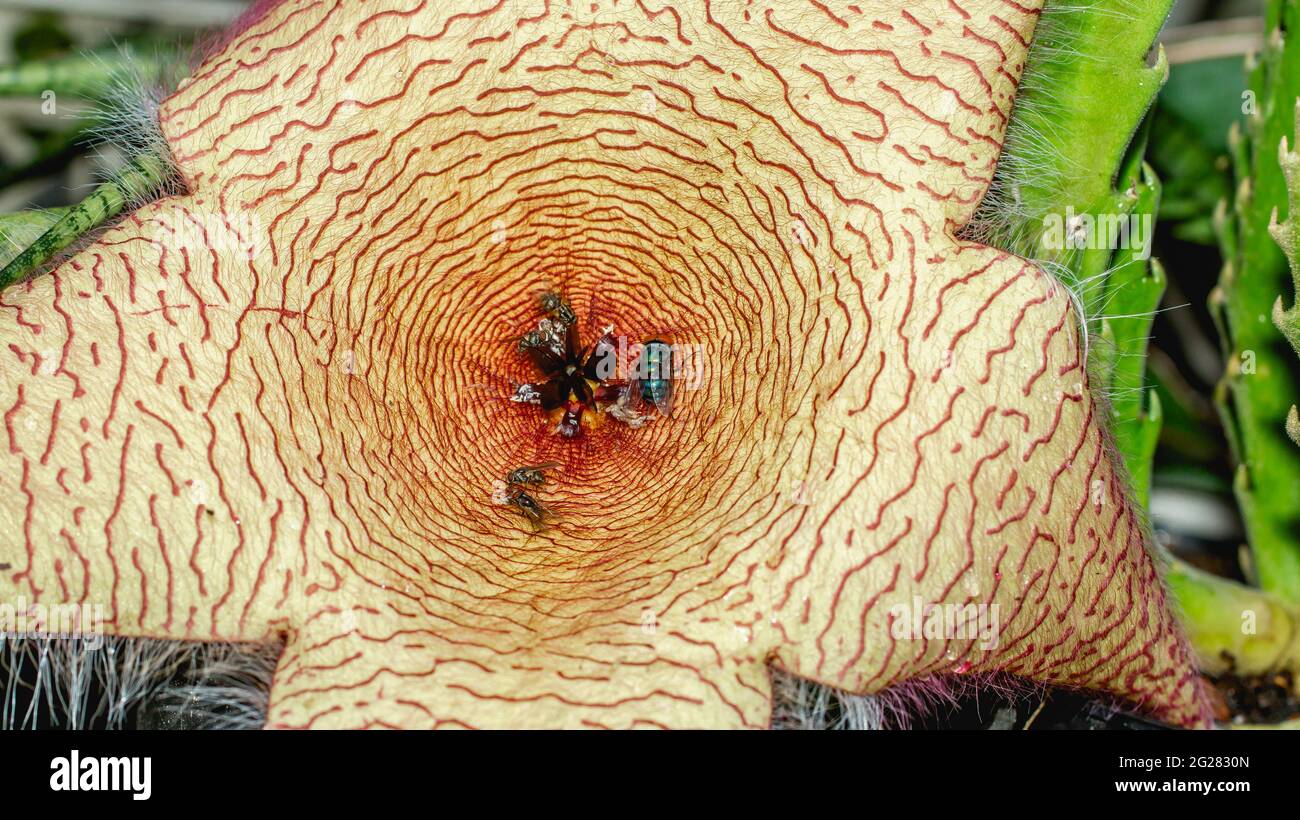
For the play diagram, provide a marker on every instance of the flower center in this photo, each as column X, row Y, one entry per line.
column 578, row 386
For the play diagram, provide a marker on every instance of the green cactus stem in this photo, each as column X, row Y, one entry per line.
column 138, row 180
column 1287, row 236
column 1133, row 287
column 1233, row 627
column 1068, row 158
column 1261, row 383
column 90, row 75
column 19, row 230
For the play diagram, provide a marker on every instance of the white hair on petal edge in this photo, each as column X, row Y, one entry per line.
column 125, row 117
column 798, row 703
column 124, row 127
column 926, row 696
column 231, row 690
column 1030, row 152
column 83, row 682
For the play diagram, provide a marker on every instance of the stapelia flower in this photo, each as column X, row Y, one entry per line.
column 275, row 406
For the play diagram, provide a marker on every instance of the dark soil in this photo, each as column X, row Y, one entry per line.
column 1258, row 699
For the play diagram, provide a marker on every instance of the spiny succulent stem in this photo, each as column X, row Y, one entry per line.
column 1258, row 388
column 140, row 178
column 1071, row 158
column 18, row 230
column 1132, row 288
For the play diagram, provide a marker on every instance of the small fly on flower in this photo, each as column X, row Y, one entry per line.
column 527, row 506
column 532, row 338
column 554, row 305
column 534, row 475
column 653, row 373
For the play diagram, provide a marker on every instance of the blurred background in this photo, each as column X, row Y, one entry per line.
column 45, row 158
column 49, row 158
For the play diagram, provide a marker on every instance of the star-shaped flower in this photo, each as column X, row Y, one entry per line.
column 275, row 406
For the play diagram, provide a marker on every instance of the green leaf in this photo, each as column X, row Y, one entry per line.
column 1205, row 95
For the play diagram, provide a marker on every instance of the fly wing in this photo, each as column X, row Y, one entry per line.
column 610, row 392
column 664, row 402
column 634, row 396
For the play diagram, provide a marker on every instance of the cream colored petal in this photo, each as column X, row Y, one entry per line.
column 882, row 415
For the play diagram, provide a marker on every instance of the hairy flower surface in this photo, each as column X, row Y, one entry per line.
column 276, row 406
